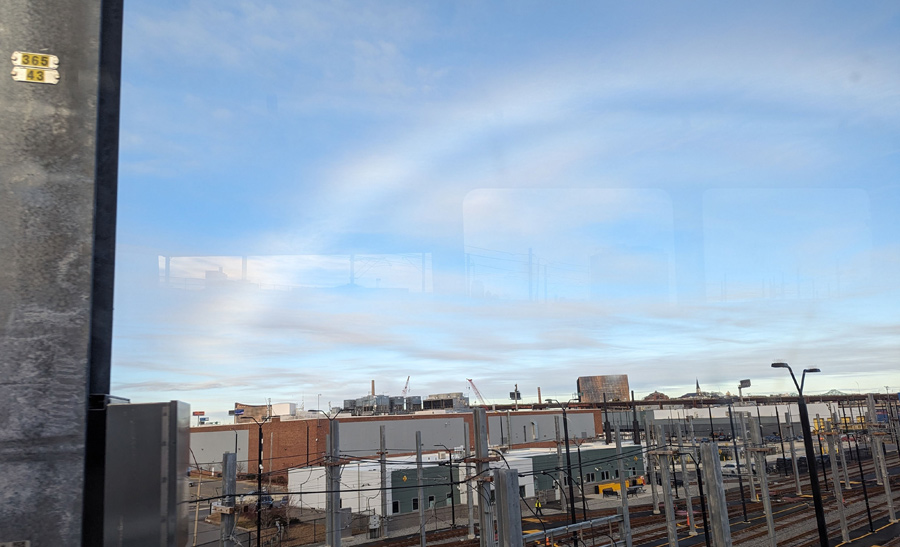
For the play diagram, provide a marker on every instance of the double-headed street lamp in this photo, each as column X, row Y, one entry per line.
column 810, row 452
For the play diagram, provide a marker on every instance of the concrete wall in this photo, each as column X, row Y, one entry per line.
column 361, row 437
column 529, row 427
column 208, row 447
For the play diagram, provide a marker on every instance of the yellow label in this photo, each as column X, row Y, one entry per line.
column 34, row 59
column 35, row 75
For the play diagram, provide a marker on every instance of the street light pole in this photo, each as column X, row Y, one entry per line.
column 810, row 452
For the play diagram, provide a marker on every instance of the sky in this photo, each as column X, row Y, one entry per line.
column 315, row 195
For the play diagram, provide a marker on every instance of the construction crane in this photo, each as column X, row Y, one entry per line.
column 405, row 388
column 477, row 393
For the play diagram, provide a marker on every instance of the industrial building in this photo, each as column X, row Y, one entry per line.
column 542, row 473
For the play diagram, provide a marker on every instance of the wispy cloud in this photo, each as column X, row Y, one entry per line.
column 258, row 129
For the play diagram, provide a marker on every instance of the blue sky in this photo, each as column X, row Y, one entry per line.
column 699, row 190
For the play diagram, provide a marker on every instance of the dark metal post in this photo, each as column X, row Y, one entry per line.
column 574, row 517
column 862, row 480
column 781, row 442
column 606, row 427
column 702, row 500
column 738, row 461
column 452, row 488
column 634, row 421
column 581, row 483
column 569, row 467
column 821, row 456
column 259, row 486
column 848, row 429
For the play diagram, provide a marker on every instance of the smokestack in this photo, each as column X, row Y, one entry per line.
column 539, row 396
column 373, row 388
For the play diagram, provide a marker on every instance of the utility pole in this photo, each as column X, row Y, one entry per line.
column 333, row 486
column 689, row 504
column 840, row 444
column 720, row 528
column 485, row 523
column 760, row 453
column 651, row 467
column 259, row 472
column 663, row 456
column 382, row 460
column 870, row 418
column 509, row 512
column 831, row 438
column 229, row 489
column 568, row 463
column 747, row 457
column 563, row 502
column 881, row 464
column 420, row 478
column 469, row 494
column 794, row 464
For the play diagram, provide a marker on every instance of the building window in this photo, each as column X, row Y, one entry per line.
column 590, row 477
column 430, row 502
column 534, row 431
column 415, row 504
column 449, row 498
column 521, row 491
column 632, row 472
column 604, row 475
column 395, row 507
column 565, row 480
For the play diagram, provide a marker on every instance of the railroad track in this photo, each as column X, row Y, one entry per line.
column 650, row 530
